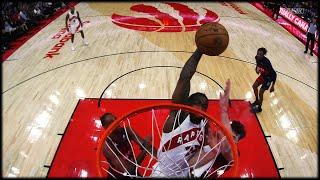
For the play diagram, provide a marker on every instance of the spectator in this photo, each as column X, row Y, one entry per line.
column 37, row 12
column 5, row 39
column 18, row 17
column 8, row 28
column 276, row 10
column 47, row 8
column 16, row 21
column 23, row 16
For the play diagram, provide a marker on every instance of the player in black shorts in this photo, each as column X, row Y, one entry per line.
column 267, row 78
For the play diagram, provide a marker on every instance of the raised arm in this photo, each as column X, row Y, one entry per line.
column 182, row 90
column 224, row 106
column 144, row 142
column 214, row 137
column 224, row 98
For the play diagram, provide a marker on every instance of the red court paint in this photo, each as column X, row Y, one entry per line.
column 139, row 24
column 165, row 18
column 168, row 22
column 210, row 17
column 76, row 153
column 33, row 31
column 54, row 51
column 190, row 16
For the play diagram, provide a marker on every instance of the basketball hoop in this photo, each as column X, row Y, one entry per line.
column 139, row 121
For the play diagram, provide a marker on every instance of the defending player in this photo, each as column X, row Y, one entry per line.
column 268, row 76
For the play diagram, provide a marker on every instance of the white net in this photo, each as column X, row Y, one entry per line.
column 137, row 147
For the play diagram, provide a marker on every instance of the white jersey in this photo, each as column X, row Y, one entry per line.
column 177, row 147
column 74, row 23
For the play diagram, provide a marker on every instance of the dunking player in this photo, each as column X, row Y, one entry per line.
column 117, row 142
column 182, row 137
column 224, row 154
column 267, row 77
column 75, row 25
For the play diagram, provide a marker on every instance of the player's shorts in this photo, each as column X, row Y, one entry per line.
column 75, row 27
column 265, row 81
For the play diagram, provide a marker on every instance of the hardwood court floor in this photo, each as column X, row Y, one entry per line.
column 40, row 94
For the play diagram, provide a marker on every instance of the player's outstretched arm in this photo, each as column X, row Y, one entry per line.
column 144, row 142
column 117, row 162
column 181, row 92
column 224, row 105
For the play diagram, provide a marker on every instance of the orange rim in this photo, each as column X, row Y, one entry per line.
column 107, row 132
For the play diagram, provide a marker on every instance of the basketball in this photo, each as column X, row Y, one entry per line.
column 212, row 39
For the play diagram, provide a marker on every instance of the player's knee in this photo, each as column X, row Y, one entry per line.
column 254, row 86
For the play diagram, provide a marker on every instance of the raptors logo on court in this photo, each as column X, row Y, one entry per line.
column 164, row 22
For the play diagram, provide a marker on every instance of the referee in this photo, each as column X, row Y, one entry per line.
column 311, row 35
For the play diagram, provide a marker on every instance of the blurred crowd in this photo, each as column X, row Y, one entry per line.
column 18, row 17
column 304, row 9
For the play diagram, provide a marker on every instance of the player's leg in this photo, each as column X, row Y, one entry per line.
column 265, row 86
column 258, row 108
column 312, row 44
column 83, row 40
column 72, row 32
column 72, row 40
column 82, row 34
column 307, row 44
column 255, row 86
